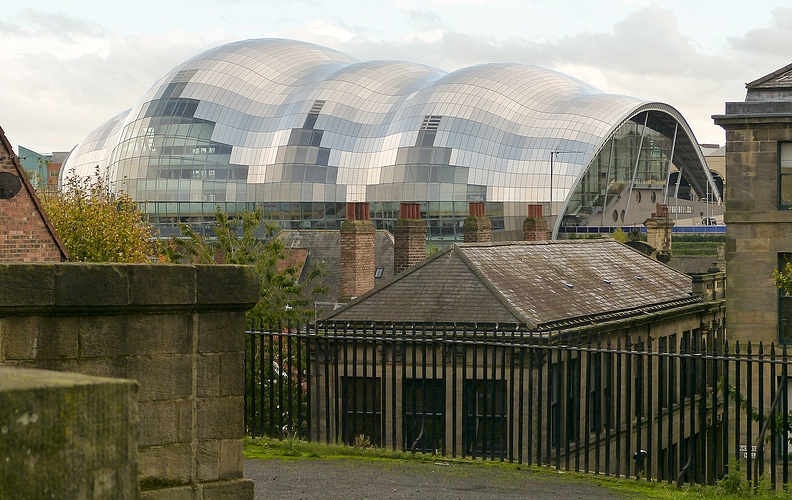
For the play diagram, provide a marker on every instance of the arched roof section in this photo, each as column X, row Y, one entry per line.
column 283, row 121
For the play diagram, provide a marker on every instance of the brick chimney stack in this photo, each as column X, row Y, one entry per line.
column 478, row 227
column 409, row 233
column 535, row 226
column 357, row 251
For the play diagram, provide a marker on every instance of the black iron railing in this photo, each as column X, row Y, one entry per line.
column 675, row 408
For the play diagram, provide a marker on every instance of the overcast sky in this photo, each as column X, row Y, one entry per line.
column 69, row 66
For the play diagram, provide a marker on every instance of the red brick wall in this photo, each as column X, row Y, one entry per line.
column 357, row 258
column 409, row 245
column 409, row 234
column 24, row 236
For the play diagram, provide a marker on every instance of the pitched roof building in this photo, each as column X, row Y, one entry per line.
column 543, row 285
column 313, row 247
column 26, row 234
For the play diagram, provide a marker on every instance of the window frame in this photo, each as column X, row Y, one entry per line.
column 423, row 402
column 362, row 408
column 491, row 423
column 781, row 204
column 783, row 258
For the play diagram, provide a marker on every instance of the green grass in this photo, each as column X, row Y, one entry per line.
column 732, row 487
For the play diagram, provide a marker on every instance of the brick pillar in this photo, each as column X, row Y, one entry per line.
column 357, row 251
column 478, row 227
column 658, row 230
column 535, row 226
column 409, row 233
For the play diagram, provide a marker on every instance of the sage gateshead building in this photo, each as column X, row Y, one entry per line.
column 299, row 130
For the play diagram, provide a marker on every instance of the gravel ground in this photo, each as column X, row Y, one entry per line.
column 359, row 479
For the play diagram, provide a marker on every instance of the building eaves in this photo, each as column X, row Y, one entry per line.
column 618, row 315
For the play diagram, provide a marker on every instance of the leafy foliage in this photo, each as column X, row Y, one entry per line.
column 620, row 235
column 281, row 297
column 734, row 482
column 783, row 278
column 97, row 224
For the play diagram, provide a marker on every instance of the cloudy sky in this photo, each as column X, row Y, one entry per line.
column 69, row 66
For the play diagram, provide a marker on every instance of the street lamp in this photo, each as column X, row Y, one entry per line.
column 554, row 155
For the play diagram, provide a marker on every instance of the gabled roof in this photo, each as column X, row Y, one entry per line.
column 780, row 78
column 693, row 264
column 5, row 146
column 531, row 283
column 325, row 246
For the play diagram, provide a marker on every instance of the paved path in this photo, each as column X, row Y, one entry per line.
column 390, row 479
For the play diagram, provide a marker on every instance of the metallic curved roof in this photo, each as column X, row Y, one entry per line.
column 307, row 123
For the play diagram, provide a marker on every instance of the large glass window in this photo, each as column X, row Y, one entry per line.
column 785, row 175
column 611, row 171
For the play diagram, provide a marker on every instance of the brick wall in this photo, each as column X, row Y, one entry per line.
column 177, row 330
column 409, row 235
column 24, row 233
column 357, row 258
column 478, row 227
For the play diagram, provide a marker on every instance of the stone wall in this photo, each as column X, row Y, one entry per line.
column 177, row 330
column 65, row 435
column 757, row 230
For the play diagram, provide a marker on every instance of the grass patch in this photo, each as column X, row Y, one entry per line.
column 732, row 487
column 298, row 449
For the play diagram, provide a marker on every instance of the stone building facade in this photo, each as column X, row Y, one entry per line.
column 26, row 234
column 758, row 202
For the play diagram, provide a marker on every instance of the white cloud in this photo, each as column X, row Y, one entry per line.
column 70, row 74
column 52, row 99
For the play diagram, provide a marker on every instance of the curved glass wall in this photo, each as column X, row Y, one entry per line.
column 300, row 130
column 635, row 156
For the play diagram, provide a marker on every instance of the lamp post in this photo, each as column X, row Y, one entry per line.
column 553, row 156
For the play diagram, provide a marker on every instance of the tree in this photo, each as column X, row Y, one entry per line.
column 97, row 224
column 281, row 297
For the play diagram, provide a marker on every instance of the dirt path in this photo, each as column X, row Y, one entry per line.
column 359, row 479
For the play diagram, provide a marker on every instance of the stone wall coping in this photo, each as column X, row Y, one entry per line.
column 71, row 288
column 20, row 379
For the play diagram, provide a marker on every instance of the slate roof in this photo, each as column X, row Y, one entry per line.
column 532, row 283
column 693, row 265
column 325, row 246
column 780, row 78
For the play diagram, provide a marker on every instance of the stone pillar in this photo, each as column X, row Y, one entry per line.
column 65, row 435
column 658, row 230
column 409, row 233
column 478, row 227
column 535, row 226
column 357, row 252
column 177, row 330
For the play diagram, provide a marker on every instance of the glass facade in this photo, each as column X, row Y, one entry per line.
column 300, row 130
